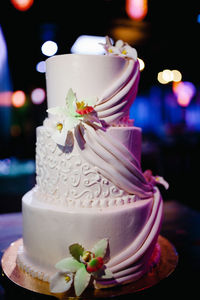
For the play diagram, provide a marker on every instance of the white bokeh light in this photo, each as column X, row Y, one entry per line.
column 49, row 48
column 89, row 44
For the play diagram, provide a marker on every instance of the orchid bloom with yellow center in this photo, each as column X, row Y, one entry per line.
column 66, row 118
column 59, row 126
column 120, row 49
column 83, row 109
column 80, row 268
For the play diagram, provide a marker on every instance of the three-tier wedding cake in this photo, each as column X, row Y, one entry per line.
column 93, row 215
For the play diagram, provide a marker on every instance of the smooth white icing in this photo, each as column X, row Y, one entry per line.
column 88, row 76
column 112, row 80
column 132, row 231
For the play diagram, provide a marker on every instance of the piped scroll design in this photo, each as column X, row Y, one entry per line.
column 66, row 178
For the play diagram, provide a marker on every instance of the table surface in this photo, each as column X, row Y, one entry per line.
column 181, row 226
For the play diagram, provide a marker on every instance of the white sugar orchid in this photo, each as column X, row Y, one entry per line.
column 58, row 127
column 65, row 118
column 61, row 282
column 120, row 48
column 80, row 267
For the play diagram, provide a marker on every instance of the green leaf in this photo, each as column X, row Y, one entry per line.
column 81, row 280
column 100, row 248
column 68, row 264
column 76, row 251
column 70, row 101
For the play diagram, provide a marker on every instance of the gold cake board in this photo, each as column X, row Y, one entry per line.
column 166, row 265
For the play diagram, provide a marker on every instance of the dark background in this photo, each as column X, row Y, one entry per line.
column 168, row 37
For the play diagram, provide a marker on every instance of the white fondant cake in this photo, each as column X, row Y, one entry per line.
column 90, row 191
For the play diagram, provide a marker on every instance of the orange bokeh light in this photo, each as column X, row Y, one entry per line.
column 22, row 5
column 18, row 98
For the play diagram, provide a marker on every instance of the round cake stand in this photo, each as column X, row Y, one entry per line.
column 166, row 265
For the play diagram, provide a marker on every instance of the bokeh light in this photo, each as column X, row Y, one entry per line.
column 18, row 98
column 89, row 44
column 167, row 76
column 22, row 5
column 176, row 75
column 41, row 67
column 137, row 9
column 38, row 95
column 184, row 92
column 161, row 79
column 141, row 63
column 5, row 98
column 49, row 48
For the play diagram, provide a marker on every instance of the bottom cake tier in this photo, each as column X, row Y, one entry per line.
column 131, row 230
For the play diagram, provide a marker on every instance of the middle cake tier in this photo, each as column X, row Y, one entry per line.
column 64, row 177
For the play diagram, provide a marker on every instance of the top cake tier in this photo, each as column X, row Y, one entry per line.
column 87, row 75
column 111, row 80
